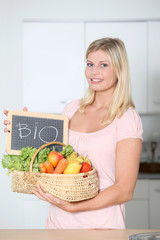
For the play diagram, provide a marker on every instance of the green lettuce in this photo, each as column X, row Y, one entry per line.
column 67, row 150
column 22, row 162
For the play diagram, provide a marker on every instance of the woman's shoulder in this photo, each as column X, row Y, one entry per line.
column 129, row 124
column 71, row 108
column 130, row 114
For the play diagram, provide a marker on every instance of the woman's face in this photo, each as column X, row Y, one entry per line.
column 99, row 72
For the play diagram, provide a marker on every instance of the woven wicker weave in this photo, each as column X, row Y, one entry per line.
column 69, row 187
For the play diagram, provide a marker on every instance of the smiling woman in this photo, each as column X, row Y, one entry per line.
column 104, row 126
column 107, row 62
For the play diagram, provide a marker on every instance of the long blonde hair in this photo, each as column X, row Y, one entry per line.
column 121, row 98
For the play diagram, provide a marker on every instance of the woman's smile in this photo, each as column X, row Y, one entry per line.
column 96, row 80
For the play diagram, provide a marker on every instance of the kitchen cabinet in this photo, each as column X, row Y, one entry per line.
column 154, row 66
column 154, row 203
column 35, row 212
column 143, row 211
column 137, row 210
column 53, row 65
column 134, row 36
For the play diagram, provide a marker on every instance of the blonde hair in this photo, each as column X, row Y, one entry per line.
column 121, row 99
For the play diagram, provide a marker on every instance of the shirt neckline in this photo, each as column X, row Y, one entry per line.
column 92, row 133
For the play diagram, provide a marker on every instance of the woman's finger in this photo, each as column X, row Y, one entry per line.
column 5, row 112
column 44, row 195
column 53, row 198
column 38, row 195
column 5, row 130
column 6, row 122
column 40, row 191
column 25, row 109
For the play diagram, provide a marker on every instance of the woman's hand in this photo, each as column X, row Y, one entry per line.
column 67, row 206
column 6, row 122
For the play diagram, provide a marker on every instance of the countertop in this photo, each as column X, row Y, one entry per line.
column 70, row 234
column 149, row 176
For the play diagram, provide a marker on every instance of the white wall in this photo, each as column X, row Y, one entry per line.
column 12, row 13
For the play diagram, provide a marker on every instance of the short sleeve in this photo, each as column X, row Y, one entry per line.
column 129, row 125
column 71, row 108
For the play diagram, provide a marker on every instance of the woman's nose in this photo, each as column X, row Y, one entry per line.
column 95, row 70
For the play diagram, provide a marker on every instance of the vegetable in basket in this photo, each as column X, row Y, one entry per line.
column 63, row 163
column 49, row 167
column 22, row 162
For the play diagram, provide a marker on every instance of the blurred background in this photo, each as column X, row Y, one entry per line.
column 42, row 61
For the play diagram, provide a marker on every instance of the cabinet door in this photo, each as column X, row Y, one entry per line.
column 154, row 66
column 137, row 214
column 154, row 193
column 53, row 65
column 134, row 35
column 35, row 212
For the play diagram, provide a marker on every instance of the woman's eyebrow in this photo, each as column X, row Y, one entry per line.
column 104, row 61
column 99, row 61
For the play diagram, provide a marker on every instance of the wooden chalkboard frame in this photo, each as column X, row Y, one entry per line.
column 33, row 115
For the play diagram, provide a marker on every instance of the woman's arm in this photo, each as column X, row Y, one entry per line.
column 126, row 171
column 128, row 154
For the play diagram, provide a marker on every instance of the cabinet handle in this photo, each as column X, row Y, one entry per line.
column 157, row 189
column 65, row 101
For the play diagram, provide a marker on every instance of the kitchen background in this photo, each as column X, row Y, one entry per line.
column 42, row 47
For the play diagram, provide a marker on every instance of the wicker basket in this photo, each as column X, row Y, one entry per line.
column 69, row 187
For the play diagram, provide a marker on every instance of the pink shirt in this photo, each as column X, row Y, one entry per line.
column 100, row 146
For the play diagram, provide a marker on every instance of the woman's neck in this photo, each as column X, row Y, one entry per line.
column 102, row 100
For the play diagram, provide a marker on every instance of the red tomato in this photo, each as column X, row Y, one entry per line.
column 86, row 167
column 54, row 157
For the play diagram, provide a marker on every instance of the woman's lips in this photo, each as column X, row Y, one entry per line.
column 96, row 80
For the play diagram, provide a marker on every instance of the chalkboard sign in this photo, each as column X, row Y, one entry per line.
column 34, row 130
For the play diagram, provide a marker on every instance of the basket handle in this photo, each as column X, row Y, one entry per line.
column 38, row 150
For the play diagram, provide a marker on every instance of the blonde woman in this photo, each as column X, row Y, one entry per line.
column 104, row 126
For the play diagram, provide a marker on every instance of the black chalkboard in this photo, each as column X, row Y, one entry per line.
column 34, row 130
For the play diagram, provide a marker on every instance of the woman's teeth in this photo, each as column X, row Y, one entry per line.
column 96, row 80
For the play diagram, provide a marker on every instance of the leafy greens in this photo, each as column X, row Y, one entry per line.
column 22, row 162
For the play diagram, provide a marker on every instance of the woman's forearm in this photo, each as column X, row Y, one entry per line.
column 113, row 195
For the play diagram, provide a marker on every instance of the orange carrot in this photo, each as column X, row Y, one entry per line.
column 42, row 168
column 61, row 166
column 49, row 166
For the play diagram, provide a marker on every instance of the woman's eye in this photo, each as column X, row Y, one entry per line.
column 89, row 64
column 104, row 65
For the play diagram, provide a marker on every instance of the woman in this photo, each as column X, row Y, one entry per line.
column 104, row 126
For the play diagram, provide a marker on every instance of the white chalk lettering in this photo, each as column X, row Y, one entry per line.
column 44, row 128
column 25, row 129
column 35, row 132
